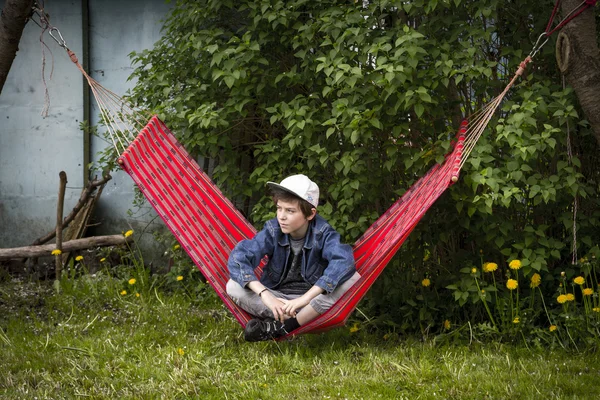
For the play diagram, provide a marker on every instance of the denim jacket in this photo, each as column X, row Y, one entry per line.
column 326, row 262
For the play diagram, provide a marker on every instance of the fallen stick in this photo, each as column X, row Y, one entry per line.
column 71, row 245
column 89, row 190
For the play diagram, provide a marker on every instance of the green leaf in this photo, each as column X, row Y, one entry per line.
column 419, row 109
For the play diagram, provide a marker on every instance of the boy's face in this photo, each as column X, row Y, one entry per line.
column 292, row 220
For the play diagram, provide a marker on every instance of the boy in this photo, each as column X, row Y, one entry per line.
column 308, row 267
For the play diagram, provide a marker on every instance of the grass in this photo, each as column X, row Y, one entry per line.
column 91, row 342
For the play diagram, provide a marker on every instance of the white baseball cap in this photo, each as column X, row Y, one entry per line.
column 301, row 186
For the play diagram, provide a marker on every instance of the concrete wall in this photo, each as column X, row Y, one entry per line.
column 33, row 149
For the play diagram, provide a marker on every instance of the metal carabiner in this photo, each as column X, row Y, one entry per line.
column 537, row 47
column 61, row 42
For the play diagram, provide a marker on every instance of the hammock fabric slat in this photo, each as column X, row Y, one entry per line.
column 208, row 226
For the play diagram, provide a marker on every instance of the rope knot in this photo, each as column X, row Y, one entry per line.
column 523, row 65
column 73, row 57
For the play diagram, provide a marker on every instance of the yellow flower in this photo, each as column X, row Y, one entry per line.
column 180, row 278
column 588, row 291
column 580, row 280
column 552, row 328
column 176, row 247
column 536, row 279
column 78, row 258
column 474, row 270
column 490, row 267
column 515, row 264
column 516, row 320
column 562, row 299
column 447, row 324
column 180, row 351
column 512, row 284
column 137, row 295
column 56, row 252
column 128, row 233
column 596, row 309
column 132, row 281
column 354, row 328
column 426, row 282
column 123, row 292
column 570, row 297
column 102, row 259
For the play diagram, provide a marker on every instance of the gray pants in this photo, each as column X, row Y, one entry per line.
column 253, row 304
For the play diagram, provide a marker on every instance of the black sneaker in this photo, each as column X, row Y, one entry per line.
column 258, row 330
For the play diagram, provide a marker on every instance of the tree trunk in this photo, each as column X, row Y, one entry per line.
column 578, row 58
column 12, row 22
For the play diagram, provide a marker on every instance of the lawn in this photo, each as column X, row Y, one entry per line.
column 92, row 341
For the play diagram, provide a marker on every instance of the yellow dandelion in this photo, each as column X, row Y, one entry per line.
column 512, row 284
column 180, row 351
column 474, row 270
column 137, row 295
column 580, row 280
column 426, row 282
column 132, row 281
column 516, row 320
column 128, row 233
column 354, row 328
column 447, row 324
column 562, row 299
column 596, row 309
column 78, row 258
column 588, row 291
column 536, row 279
column 56, row 252
column 552, row 328
column 180, row 278
column 570, row 297
column 176, row 247
column 515, row 264
column 102, row 259
column 123, row 292
column 490, row 267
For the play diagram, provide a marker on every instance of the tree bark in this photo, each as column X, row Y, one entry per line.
column 72, row 245
column 578, row 58
column 12, row 22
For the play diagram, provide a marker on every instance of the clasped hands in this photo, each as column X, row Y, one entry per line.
column 281, row 308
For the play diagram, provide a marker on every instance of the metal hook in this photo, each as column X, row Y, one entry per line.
column 537, row 47
column 61, row 42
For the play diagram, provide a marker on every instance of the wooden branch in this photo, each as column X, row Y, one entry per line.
column 90, row 188
column 59, row 216
column 72, row 245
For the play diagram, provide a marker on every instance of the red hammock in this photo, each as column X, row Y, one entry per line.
column 208, row 226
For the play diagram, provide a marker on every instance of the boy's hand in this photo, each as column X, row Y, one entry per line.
column 275, row 305
column 291, row 307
